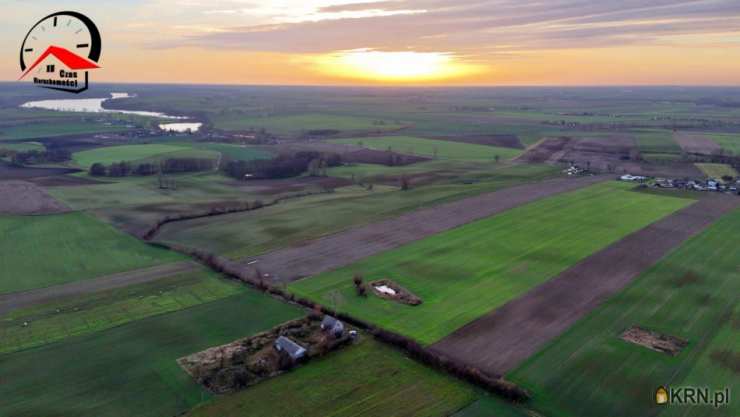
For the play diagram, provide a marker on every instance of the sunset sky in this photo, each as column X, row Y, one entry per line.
column 406, row 42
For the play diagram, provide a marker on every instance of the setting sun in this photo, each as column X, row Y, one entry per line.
column 395, row 66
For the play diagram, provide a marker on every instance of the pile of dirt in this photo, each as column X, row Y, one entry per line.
column 21, row 197
column 655, row 341
column 248, row 361
column 503, row 141
column 385, row 288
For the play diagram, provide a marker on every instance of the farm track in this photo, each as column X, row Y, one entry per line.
column 343, row 248
column 16, row 300
column 501, row 340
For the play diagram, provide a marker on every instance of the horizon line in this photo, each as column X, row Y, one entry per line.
column 5, row 81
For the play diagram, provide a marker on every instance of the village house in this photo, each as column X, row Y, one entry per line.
column 289, row 347
column 332, row 326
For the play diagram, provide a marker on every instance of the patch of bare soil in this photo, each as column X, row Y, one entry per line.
column 500, row 340
column 10, row 172
column 688, row 278
column 21, row 197
column 614, row 154
column 546, row 150
column 64, row 181
column 727, row 359
column 670, row 345
column 503, row 141
column 695, row 143
column 346, row 247
column 389, row 290
column 245, row 362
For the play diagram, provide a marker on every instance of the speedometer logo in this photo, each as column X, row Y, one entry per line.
column 59, row 50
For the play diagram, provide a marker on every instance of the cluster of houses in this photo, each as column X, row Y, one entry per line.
column 711, row 184
column 331, row 326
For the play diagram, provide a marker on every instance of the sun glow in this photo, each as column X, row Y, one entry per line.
column 395, row 66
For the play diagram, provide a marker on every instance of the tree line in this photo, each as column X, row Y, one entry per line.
column 40, row 157
column 167, row 166
column 282, row 166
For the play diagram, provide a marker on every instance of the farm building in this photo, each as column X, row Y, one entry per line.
column 332, row 326
column 293, row 349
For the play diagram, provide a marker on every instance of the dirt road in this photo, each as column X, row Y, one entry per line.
column 499, row 341
column 345, row 247
column 14, row 301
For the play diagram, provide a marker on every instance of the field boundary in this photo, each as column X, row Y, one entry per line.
column 16, row 300
column 345, row 247
column 502, row 339
column 437, row 360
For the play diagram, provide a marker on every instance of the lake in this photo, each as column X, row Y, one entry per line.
column 95, row 105
column 180, row 127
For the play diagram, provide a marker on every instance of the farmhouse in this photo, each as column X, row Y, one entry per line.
column 291, row 348
column 332, row 326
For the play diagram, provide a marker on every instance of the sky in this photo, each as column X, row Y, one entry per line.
column 401, row 42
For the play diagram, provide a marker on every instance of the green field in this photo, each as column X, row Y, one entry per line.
column 292, row 221
column 717, row 171
column 131, row 370
column 244, row 153
column 41, row 251
column 589, row 371
column 22, row 146
column 299, row 123
column 135, row 203
column 728, row 142
column 468, row 271
column 491, row 406
column 367, row 171
column 55, row 128
column 135, row 191
column 453, row 169
column 79, row 315
column 429, row 147
column 656, row 142
column 367, row 379
column 111, row 154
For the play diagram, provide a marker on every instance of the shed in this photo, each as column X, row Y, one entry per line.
column 293, row 349
column 332, row 325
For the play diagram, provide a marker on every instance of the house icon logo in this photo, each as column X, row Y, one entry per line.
column 59, row 51
column 661, row 396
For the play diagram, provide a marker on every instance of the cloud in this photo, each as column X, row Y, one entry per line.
column 477, row 27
